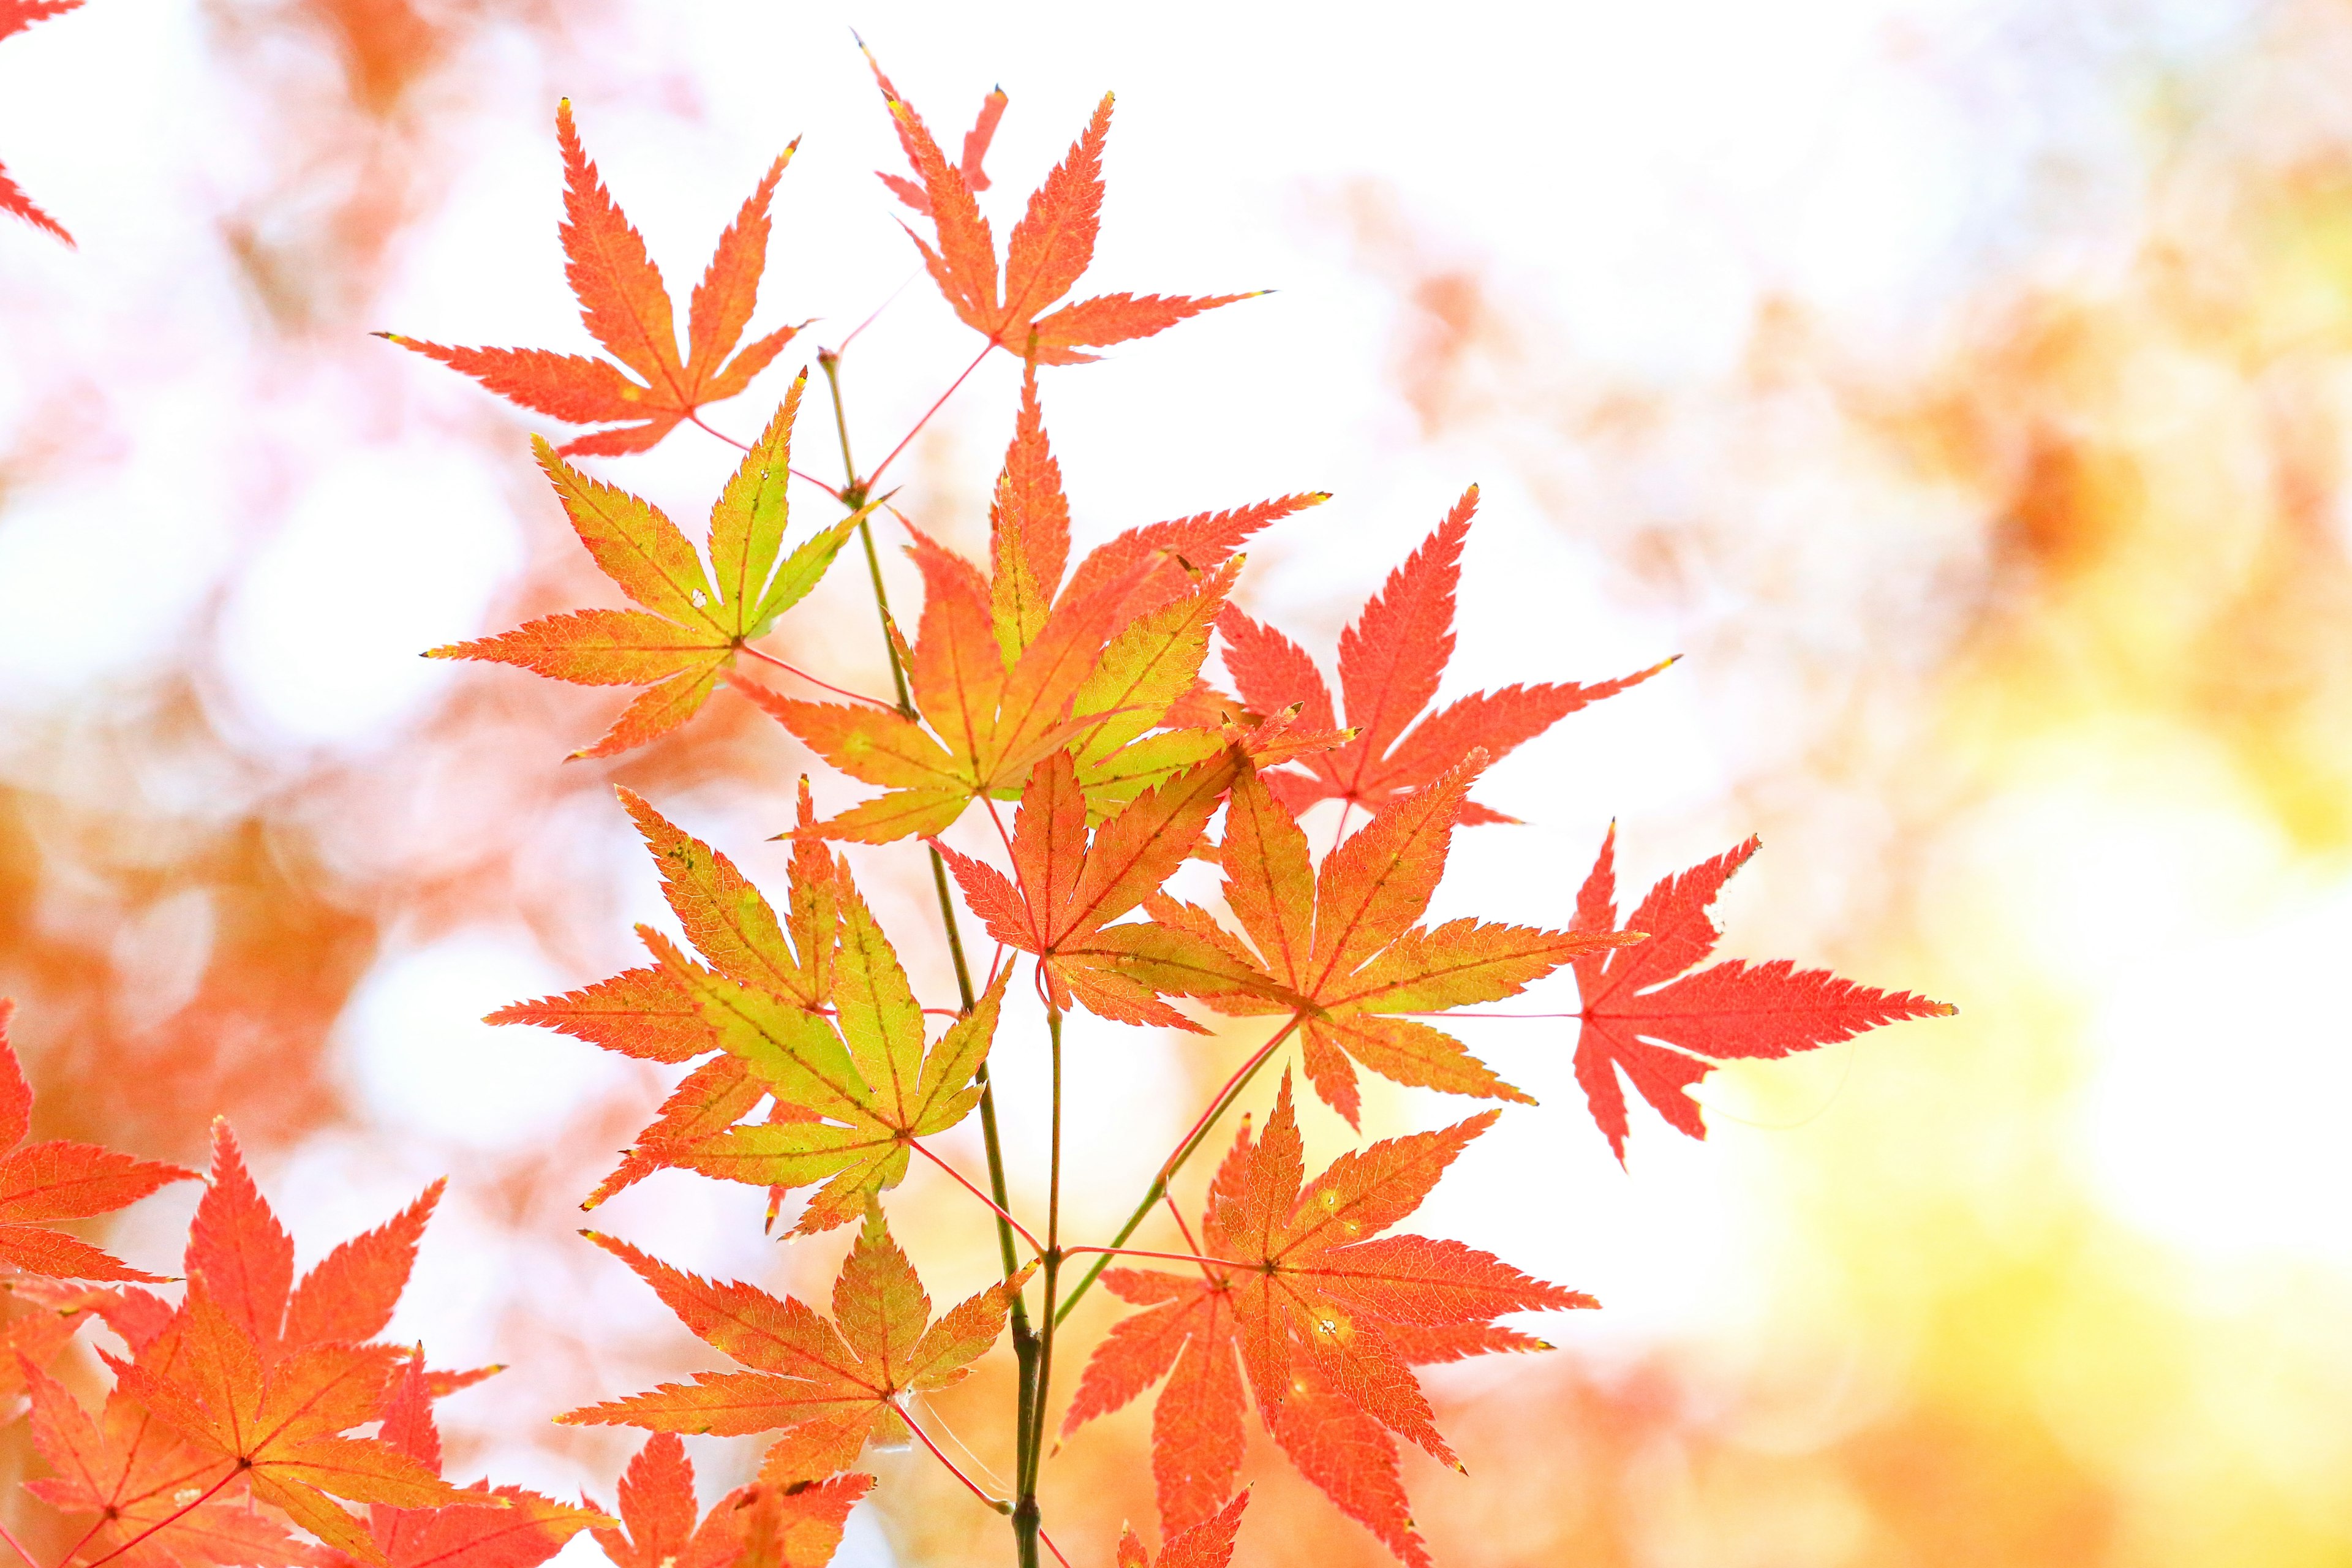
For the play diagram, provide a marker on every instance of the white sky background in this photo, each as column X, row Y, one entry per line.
column 1647, row 173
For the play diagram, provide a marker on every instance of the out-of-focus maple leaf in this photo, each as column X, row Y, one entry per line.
column 692, row 623
column 1208, row 1544
column 505, row 1527
column 1068, row 886
column 753, row 1527
column 1050, row 249
column 1011, row 664
column 41, row 1183
column 1323, row 1316
column 16, row 15
column 833, row 1387
column 625, row 307
column 262, row 1380
column 1343, row 941
column 1666, row 1028
column 1390, row 661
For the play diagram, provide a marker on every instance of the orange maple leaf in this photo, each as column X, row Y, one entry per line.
column 41, row 1183
column 833, row 1386
column 1666, row 1028
column 751, row 1527
column 1208, row 1544
column 693, row 622
column 1011, row 664
column 1049, row 251
column 16, row 15
column 1390, row 661
column 626, row 308
column 1322, row 1315
column 503, row 1528
column 1068, row 886
column 1343, row 941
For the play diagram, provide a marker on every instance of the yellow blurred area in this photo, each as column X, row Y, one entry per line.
column 1964, row 389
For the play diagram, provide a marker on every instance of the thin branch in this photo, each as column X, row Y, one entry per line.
column 916, row 1144
column 1170, row 1257
column 812, row 680
column 1340, row 834
column 1456, row 1013
column 1052, row 1548
column 812, row 479
column 925, row 419
column 1005, row 838
column 974, row 1487
column 18, row 1547
column 696, row 420
column 877, row 314
column 1193, row 1140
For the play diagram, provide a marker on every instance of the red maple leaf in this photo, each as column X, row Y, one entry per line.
column 1321, row 1315
column 625, row 307
column 751, row 1527
column 16, row 15
column 1390, row 661
column 1049, row 251
column 41, row 1183
column 1645, row 1014
column 1208, row 1544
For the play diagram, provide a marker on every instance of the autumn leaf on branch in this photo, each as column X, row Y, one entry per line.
column 1050, row 249
column 505, row 1527
column 1647, row 1014
column 42, row 1184
column 751, row 1527
column 1069, row 885
column 693, row 622
column 1013, row 664
column 1320, row 1315
column 832, row 1386
column 1208, row 1544
column 625, row 307
column 1344, row 941
column 1390, row 661
column 16, row 15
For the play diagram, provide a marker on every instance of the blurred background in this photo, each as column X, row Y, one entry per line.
column 1963, row 386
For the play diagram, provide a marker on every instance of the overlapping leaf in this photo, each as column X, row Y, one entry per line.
column 751, row 1527
column 263, row 1380
column 1050, row 249
column 1011, row 664
column 1648, row 1013
column 1320, row 1314
column 625, row 307
column 1343, row 941
column 1390, row 661
column 42, row 1184
column 1069, row 885
column 1208, row 1544
column 830, row 1385
column 16, row 15
column 693, row 622
column 503, row 1528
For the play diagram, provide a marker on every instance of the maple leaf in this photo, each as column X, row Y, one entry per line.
column 976, row 142
column 626, row 308
column 41, row 1183
column 1343, row 941
column 858, row 1089
column 1050, row 249
column 263, row 1378
column 16, row 15
column 1647, row 1014
column 751, row 1527
column 1069, row 885
column 505, row 1527
column 692, row 623
column 1390, row 661
column 1208, row 1544
column 1011, row 664
column 1320, row 1314
column 833, row 1385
